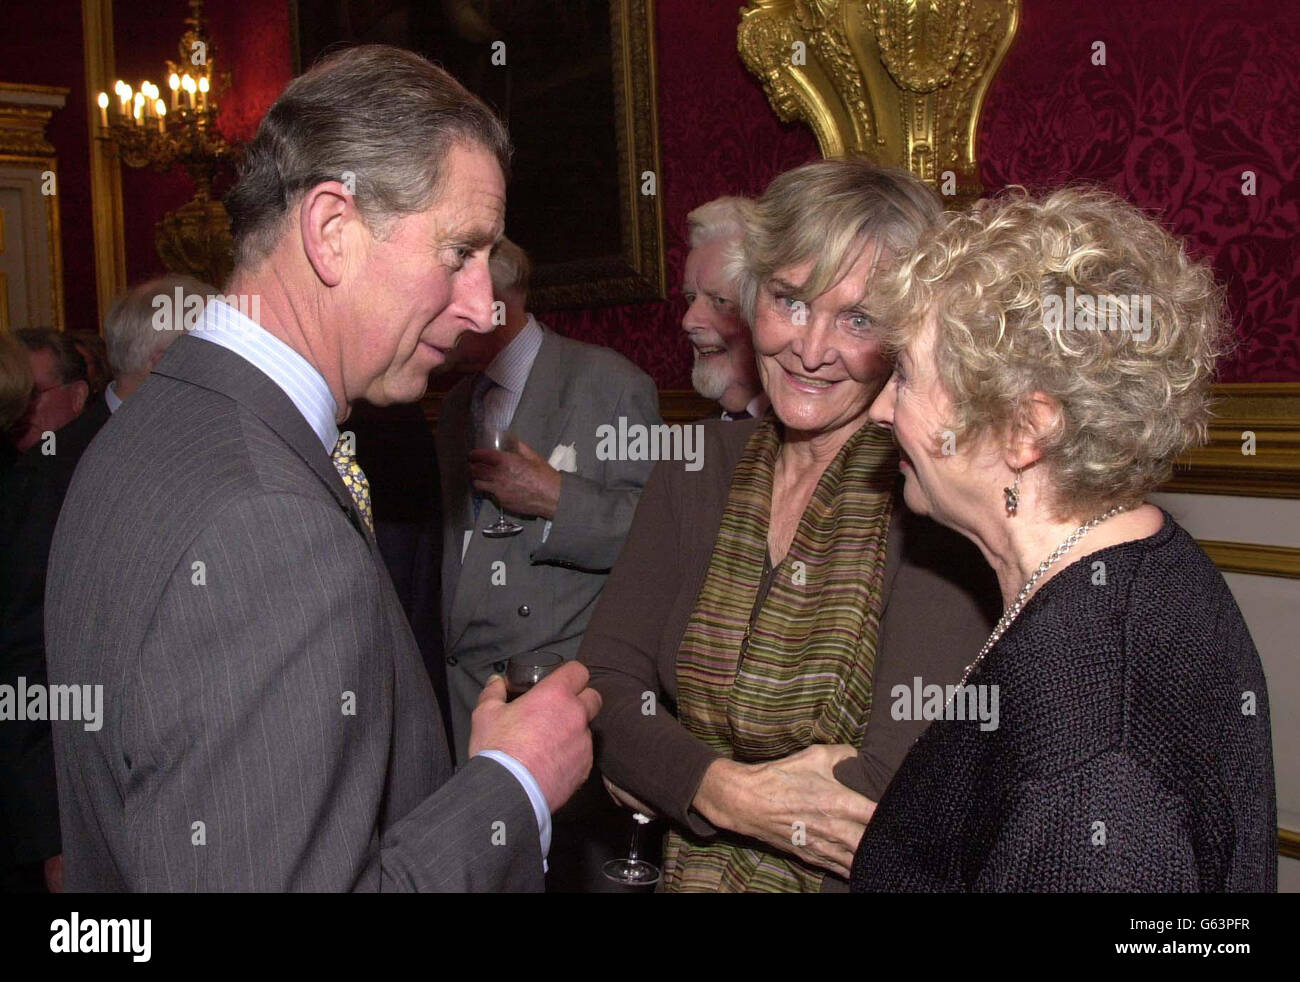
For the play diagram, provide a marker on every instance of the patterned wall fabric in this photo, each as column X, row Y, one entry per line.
column 1192, row 95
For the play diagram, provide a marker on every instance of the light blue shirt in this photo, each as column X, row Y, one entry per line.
column 112, row 398
column 509, row 370
column 306, row 388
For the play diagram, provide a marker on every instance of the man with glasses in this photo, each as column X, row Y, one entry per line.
column 61, row 390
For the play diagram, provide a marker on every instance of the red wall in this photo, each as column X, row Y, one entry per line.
column 1193, row 93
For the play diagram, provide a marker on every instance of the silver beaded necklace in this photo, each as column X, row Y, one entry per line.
column 1013, row 611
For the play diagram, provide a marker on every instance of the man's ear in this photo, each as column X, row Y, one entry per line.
column 80, row 393
column 1036, row 421
column 324, row 214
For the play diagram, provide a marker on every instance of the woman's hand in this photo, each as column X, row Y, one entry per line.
column 627, row 800
column 793, row 804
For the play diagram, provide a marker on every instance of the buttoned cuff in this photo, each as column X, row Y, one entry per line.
column 534, row 791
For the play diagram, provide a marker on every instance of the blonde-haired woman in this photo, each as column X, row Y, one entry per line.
column 1062, row 346
column 760, row 601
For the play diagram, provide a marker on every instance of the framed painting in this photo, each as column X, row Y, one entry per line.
column 574, row 80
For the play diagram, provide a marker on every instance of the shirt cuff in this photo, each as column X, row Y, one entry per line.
column 532, row 789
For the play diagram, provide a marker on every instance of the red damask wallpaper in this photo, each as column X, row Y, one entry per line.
column 718, row 135
column 1192, row 96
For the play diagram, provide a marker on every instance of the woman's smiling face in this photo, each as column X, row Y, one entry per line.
column 820, row 362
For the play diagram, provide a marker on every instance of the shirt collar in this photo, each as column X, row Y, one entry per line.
column 111, row 397
column 510, row 368
column 294, row 374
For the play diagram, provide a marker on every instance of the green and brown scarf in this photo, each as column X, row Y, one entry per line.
column 802, row 674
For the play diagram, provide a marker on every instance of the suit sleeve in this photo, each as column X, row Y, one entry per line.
column 594, row 514
column 259, row 727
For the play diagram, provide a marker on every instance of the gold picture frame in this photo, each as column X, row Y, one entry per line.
column 633, row 271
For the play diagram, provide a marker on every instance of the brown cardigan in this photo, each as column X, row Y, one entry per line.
column 941, row 601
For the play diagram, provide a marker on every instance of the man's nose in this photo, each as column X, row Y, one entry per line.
column 473, row 297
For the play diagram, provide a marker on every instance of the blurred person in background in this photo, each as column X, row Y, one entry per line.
column 16, row 384
column 133, row 341
column 724, row 368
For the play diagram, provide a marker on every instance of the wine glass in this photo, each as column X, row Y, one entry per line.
column 526, row 670
column 493, row 437
column 632, row 870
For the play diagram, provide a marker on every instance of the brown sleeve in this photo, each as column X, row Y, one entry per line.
column 629, row 653
column 943, row 603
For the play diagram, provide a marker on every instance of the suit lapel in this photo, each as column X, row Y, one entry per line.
column 210, row 366
column 540, row 418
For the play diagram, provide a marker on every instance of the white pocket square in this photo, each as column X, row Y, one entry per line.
column 565, row 458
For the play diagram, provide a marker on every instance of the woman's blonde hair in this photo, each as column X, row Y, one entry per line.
column 1077, row 295
column 828, row 211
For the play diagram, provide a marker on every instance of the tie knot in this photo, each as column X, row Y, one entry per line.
column 344, row 451
column 354, row 478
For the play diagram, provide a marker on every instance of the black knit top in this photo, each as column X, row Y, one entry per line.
column 1132, row 749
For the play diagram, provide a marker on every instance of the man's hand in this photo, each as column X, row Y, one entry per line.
column 794, row 804
column 522, row 482
column 546, row 729
column 54, row 874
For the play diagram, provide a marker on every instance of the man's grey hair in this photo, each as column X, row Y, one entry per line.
column 378, row 119
column 721, row 218
column 129, row 332
column 510, row 269
column 68, row 362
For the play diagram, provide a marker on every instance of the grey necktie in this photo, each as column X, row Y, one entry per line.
column 477, row 413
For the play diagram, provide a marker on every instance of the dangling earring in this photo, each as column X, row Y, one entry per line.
column 1013, row 495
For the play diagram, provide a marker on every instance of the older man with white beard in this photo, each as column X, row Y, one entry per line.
column 724, row 351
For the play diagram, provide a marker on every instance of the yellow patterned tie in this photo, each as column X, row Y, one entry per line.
column 345, row 462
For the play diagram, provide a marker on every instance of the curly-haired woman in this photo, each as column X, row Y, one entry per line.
column 1053, row 357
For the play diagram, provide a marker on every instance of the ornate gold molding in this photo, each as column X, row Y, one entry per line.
column 1270, row 411
column 107, row 226
column 899, row 80
column 1252, row 558
column 24, row 112
column 1288, row 843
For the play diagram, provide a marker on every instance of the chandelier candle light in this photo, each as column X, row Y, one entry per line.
column 146, row 132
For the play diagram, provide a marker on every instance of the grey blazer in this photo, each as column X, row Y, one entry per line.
column 550, row 588
column 267, row 723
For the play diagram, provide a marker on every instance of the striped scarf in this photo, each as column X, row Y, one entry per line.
column 802, row 674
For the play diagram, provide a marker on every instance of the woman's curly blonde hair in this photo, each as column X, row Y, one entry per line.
column 996, row 280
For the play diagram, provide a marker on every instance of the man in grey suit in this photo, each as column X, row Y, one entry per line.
column 537, row 589
column 267, row 723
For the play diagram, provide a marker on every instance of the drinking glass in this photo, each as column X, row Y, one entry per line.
column 526, row 670
column 490, row 437
column 632, row 870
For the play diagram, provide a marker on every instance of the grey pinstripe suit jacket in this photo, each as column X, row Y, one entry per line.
column 225, row 701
